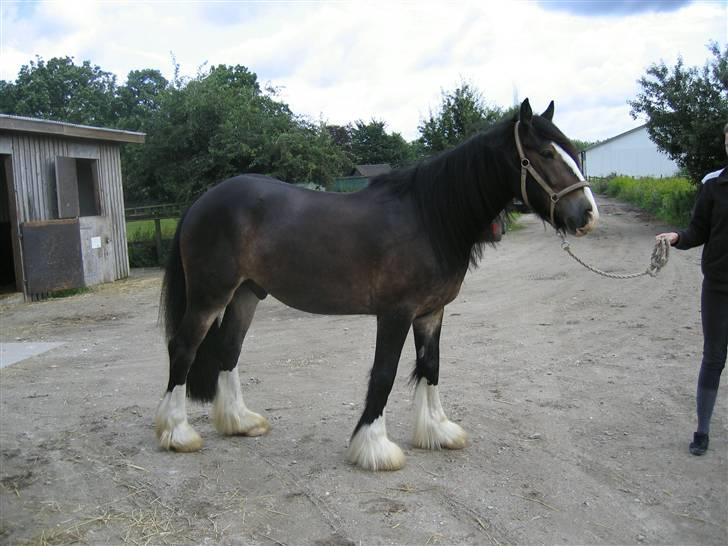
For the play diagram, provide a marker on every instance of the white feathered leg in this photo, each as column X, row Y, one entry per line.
column 230, row 415
column 433, row 430
column 372, row 450
column 173, row 430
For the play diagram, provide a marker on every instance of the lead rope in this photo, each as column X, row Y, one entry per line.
column 660, row 255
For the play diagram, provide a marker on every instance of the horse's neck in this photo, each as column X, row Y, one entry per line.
column 463, row 190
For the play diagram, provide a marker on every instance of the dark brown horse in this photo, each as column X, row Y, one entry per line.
column 398, row 249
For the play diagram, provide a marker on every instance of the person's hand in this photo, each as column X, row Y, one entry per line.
column 671, row 237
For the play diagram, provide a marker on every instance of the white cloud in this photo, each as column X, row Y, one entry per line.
column 346, row 61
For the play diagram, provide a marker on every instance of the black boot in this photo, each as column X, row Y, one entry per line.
column 699, row 445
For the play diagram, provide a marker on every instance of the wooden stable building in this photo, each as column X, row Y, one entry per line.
column 61, row 205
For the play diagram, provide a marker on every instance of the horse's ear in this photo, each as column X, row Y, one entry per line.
column 526, row 113
column 549, row 112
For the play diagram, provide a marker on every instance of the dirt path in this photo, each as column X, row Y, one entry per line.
column 577, row 393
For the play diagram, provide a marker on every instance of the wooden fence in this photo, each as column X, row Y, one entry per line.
column 157, row 213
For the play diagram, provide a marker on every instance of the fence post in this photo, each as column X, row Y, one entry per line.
column 158, row 239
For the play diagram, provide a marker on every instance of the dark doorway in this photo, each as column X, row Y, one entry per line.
column 7, row 255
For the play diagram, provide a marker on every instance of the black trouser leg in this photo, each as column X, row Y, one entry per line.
column 714, row 314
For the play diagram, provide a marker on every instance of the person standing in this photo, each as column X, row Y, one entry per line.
column 709, row 227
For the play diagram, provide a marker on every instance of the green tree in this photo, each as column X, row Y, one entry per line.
column 139, row 98
column 205, row 130
column 686, row 109
column 341, row 135
column 221, row 124
column 462, row 113
column 583, row 144
column 371, row 144
column 307, row 153
column 61, row 90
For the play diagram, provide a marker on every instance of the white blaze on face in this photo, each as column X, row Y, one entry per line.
column 587, row 191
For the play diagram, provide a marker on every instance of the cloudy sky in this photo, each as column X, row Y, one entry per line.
column 343, row 61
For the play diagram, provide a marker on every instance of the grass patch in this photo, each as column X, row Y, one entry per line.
column 669, row 199
column 142, row 244
column 514, row 221
column 69, row 292
column 143, row 230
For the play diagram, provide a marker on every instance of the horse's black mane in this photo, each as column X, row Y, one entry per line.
column 459, row 192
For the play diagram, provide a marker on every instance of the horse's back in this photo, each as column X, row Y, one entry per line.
column 306, row 248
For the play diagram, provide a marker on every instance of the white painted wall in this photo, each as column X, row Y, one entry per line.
column 631, row 153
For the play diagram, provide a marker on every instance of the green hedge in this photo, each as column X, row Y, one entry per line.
column 144, row 253
column 669, row 199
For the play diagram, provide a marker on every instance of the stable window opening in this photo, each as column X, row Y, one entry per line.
column 77, row 187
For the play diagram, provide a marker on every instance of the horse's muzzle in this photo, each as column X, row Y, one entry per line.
column 582, row 215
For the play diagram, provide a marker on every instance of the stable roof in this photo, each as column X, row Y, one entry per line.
column 616, row 137
column 58, row 128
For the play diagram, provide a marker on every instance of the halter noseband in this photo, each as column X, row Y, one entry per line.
column 527, row 168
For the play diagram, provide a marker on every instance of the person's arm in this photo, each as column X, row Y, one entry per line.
column 698, row 230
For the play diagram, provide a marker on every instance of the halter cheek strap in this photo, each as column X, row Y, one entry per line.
column 527, row 168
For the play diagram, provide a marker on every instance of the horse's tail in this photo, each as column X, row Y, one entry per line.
column 173, row 301
column 202, row 376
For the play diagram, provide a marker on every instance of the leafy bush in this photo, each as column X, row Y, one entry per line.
column 669, row 199
column 144, row 253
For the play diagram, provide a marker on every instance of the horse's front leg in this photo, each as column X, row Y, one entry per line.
column 433, row 430
column 369, row 446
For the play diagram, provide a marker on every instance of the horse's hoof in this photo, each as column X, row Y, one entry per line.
column 440, row 435
column 384, row 456
column 433, row 430
column 173, row 431
column 182, row 438
column 241, row 423
column 370, row 449
column 455, row 437
column 254, row 425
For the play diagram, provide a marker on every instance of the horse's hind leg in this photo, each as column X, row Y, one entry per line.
column 172, row 428
column 230, row 415
column 369, row 446
column 433, row 430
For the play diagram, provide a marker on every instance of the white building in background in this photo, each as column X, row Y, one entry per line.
column 631, row 154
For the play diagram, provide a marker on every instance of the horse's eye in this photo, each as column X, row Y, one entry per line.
column 548, row 154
